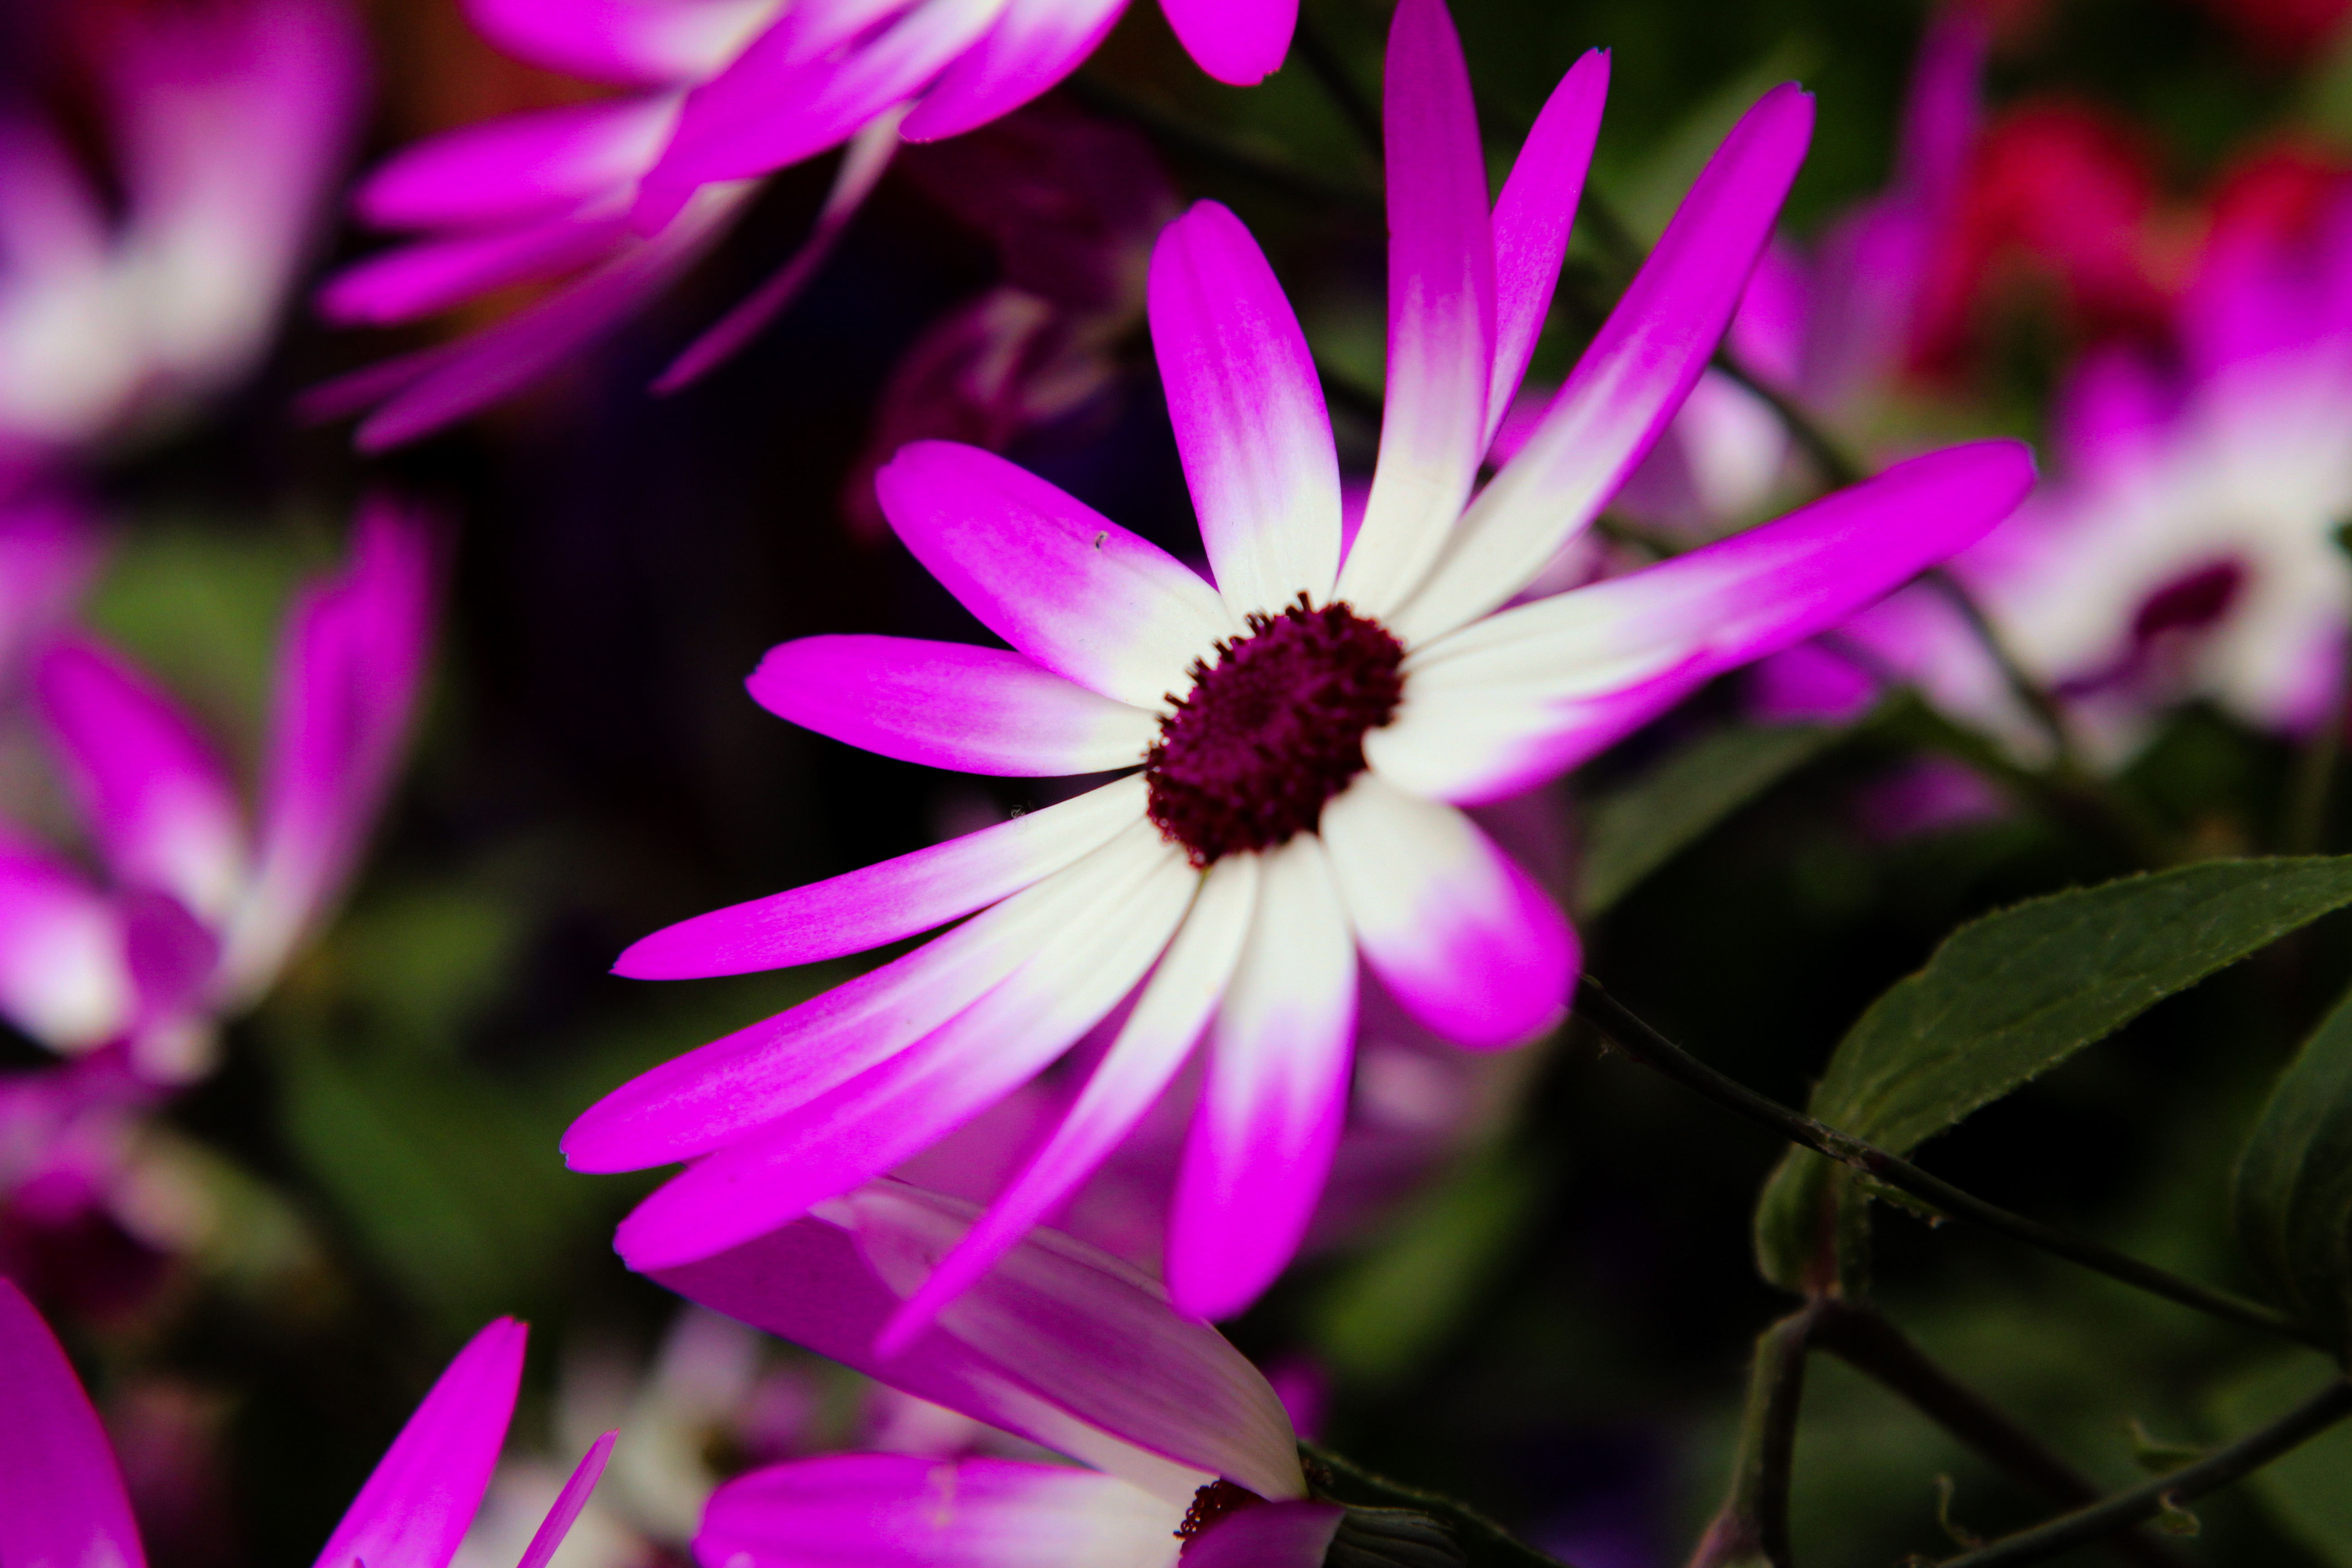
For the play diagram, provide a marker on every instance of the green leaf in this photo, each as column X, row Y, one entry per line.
column 2294, row 1197
column 455, row 1188
column 1635, row 830
column 2307, row 1490
column 2010, row 996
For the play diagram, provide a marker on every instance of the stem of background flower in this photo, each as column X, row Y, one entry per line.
column 2021, row 686
column 1331, row 72
column 1186, row 139
column 1752, row 1526
column 1860, row 1336
column 2217, row 1469
column 1653, row 1049
column 2075, row 799
column 1471, row 1527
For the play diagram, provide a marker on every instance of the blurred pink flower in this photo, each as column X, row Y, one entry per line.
column 228, row 120
column 1180, row 1442
column 621, row 196
column 61, row 1493
column 1303, row 800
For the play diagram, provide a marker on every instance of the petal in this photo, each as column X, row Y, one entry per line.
column 1060, row 582
column 418, row 279
column 61, row 1498
column 1522, row 694
column 1629, row 382
column 1239, row 43
column 775, row 104
column 1248, row 412
column 429, row 1484
column 65, row 967
column 913, row 1099
column 1532, row 219
column 627, row 41
column 950, row 705
column 424, row 391
column 565, row 1512
column 347, row 684
column 162, row 803
column 518, row 167
column 1279, row 1535
column 716, row 1095
column 1157, row 1035
column 862, row 166
column 881, row 903
column 1455, row 930
column 1035, row 44
column 811, row 1283
column 49, row 551
column 897, row 1511
column 1440, row 311
column 1096, row 1337
column 1269, row 1116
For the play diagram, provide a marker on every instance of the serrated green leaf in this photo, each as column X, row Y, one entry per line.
column 2010, row 996
column 1633, row 831
column 2293, row 1190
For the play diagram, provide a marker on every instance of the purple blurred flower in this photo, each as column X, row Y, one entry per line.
column 1063, row 1345
column 228, row 120
column 61, row 1496
column 200, row 909
column 622, row 196
column 1344, row 699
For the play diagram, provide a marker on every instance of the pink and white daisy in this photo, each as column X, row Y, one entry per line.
column 623, row 195
column 62, row 1504
column 1307, row 727
column 1180, row 1443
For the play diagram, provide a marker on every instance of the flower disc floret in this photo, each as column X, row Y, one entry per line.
column 1273, row 729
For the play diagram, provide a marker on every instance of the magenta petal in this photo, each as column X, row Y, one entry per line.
column 415, row 1508
column 1248, row 412
column 61, row 1500
column 911, row 1099
column 161, row 801
column 1033, row 44
column 48, row 553
column 1060, row 582
column 1279, row 1535
column 1238, row 41
column 1440, row 311
column 65, row 973
column 523, row 166
column 414, row 280
column 866, row 908
column 1629, row 382
column 898, row 1510
column 950, row 705
column 565, row 1511
column 732, row 1087
column 1263, row 1136
column 1458, row 933
column 626, row 41
column 773, row 105
column 347, row 683
column 1175, row 1006
column 1532, row 219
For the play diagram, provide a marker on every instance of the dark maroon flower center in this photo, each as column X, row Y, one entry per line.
column 1213, row 1502
column 1273, row 729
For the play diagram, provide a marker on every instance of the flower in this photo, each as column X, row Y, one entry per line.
column 201, row 912
column 228, row 120
column 1183, row 1443
column 1308, row 728
column 62, row 1503
column 628, row 191
column 2188, row 547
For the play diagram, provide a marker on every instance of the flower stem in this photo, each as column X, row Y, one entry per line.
column 1471, row 1527
column 1752, row 1527
column 1862, row 1337
column 2218, row 1469
column 1653, row 1049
